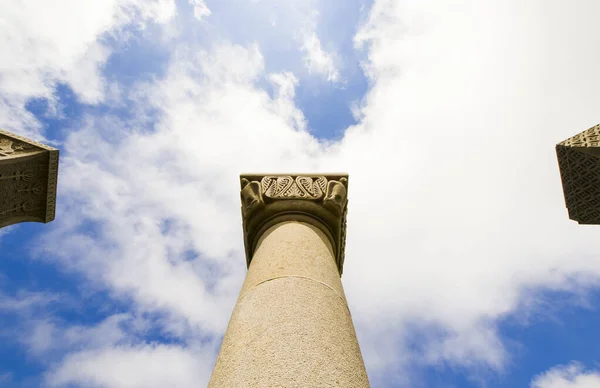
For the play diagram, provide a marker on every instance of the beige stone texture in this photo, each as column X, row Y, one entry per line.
column 291, row 326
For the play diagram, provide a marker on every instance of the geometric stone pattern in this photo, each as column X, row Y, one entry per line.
column 320, row 200
column 28, row 178
column 579, row 164
column 588, row 138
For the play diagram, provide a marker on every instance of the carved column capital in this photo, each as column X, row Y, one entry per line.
column 320, row 200
column 28, row 177
column 579, row 163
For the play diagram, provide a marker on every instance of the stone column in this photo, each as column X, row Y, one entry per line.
column 291, row 326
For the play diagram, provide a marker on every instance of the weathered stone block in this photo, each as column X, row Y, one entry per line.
column 579, row 163
column 28, row 177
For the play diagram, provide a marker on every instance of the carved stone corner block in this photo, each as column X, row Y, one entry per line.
column 28, row 178
column 320, row 200
column 579, row 164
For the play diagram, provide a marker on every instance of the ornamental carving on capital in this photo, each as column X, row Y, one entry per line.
column 579, row 165
column 28, row 177
column 319, row 199
column 588, row 138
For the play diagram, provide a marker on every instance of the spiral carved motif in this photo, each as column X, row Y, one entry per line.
column 286, row 187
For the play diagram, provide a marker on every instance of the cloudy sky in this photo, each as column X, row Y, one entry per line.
column 462, row 268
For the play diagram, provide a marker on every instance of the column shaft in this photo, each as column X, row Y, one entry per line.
column 291, row 326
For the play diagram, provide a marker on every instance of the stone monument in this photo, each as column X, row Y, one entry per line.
column 28, row 174
column 291, row 326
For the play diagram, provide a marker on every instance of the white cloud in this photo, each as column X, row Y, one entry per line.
column 44, row 336
column 317, row 60
column 287, row 32
column 131, row 367
column 200, row 9
column 283, row 103
column 567, row 376
column 44, row 43
column 113, row 352
column 25, row 301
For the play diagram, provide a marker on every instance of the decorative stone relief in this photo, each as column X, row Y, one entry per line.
column 251, row 197
column 579, row 164
column 336, row 196
column 11, row 147
column 320, row 199
column 28, row 177
column 587, row 138
column 286, row 187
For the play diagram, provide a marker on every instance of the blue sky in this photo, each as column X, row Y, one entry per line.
column 462, row 268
